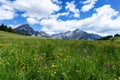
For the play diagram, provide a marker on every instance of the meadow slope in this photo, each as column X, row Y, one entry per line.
column 32, row 58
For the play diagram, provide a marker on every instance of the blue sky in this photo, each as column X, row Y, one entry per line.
column 55, row 16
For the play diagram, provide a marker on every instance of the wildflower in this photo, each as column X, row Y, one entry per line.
column 65, row 59
column 107, row 65
column 52, row 75
column 39, row 57
column 45, row 66
column 55, row 72
column 88, row 56
column 53, row 65
column 85, row 50
column 35, row 58
column 91, row 62
column 23, row 67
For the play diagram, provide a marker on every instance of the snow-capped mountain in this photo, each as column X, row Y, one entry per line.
column 77, row 34
column 25, row 29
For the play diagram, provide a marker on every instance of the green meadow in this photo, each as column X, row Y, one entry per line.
column 33, row 58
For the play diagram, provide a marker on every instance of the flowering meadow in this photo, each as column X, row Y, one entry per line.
column 31, row 58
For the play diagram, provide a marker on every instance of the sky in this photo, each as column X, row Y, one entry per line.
column 56, row 16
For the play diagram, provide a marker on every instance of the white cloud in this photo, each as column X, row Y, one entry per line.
column 88, row 5
column 104, row 21
column 59, row 15
column 55, row 26
column 36, row 9
column 72, row 8
column 6, row 14
column 32, row 21
column 57, row 1
column 6, row 11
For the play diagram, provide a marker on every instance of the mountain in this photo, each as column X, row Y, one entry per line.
column 25, row 29
column 76, row 35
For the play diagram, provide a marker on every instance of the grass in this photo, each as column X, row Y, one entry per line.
column 7, row 34
column 32, row 58
column 117, row 39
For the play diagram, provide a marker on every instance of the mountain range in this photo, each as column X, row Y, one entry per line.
column 25, row 29
column 77, row 34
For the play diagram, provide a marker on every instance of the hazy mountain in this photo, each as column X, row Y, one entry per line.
column 76, row 35
column 25, row 29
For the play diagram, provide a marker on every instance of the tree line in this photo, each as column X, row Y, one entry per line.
column 109, row 37
column 6, row 28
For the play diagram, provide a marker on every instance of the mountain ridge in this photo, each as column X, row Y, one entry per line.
column 77, row 34
column 25, row 29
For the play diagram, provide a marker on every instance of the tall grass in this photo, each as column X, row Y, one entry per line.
column 47, row 59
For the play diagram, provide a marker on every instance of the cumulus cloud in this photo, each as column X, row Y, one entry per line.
column 36, row 9
column 57, row 1
column 6, row 11
column 70, row 6
column 32, row 21
column 88, row 5
column 65, row 14
column 105, row 20
column 55, row 26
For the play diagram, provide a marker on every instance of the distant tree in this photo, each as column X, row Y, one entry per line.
column 2, row 27
column 5, row 28
column 106, row 38
column 9, row 29
column 117, row 35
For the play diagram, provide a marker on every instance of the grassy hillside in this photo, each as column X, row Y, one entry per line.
column 46, row 59
column 117, row 39
column 4, row 34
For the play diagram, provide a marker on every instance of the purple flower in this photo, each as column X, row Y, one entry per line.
column 88, row 56
column 85, row 50
column 107, row 65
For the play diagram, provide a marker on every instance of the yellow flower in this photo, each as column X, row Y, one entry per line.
column 23, row 67
column 91, row 62
column 54, row 72
column 65, row 59
column 35, row 58
column 53, row 65
column 119, row 78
